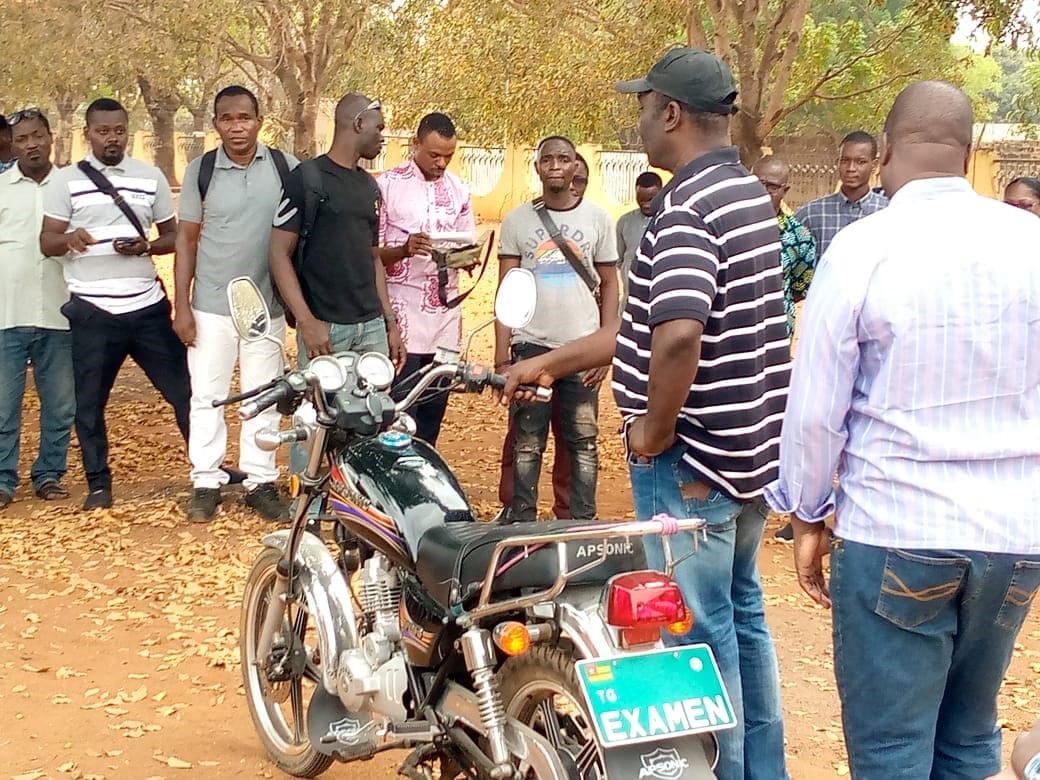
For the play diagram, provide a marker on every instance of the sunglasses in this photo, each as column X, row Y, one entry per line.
column 375, row 105
column 25, row 113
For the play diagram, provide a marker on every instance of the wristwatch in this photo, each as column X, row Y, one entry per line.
column 1032, row 770
column 390, row 319
column 147, row 247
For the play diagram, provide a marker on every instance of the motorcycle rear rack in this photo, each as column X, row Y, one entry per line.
column 664, row 528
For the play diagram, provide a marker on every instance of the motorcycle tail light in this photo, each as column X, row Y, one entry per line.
column 512, row 638
column 643, row 602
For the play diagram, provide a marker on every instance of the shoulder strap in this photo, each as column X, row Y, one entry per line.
column 280, row 163
column 105, row 186
column 554, row 233
column 313, row 196
column 443, row 280
column 209, row 162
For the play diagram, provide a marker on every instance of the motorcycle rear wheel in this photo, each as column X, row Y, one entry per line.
column 283, row 734
column 540, row 689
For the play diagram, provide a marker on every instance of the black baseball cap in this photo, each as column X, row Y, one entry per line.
column 692, row 76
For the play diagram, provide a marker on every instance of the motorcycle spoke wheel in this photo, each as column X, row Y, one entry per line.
column 278, row 707
column 539, row 689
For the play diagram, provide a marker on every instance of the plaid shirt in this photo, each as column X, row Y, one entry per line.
column 798, row 260
column 827, row 215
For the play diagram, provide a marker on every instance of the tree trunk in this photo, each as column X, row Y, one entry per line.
column 746, row 136
column 305, row 121
column 162, row 107
column 198, row 118
column 66, row 105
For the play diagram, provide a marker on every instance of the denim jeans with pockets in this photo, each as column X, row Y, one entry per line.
column 922, row 639
column 720, row 584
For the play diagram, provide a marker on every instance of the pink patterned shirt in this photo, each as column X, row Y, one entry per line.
column 411, row 204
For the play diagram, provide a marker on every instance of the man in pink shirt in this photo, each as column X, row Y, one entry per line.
column 423, row 202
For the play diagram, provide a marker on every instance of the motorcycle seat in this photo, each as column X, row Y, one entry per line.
column 453, row 558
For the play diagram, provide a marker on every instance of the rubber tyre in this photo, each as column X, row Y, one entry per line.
column 296, row 759
column 542, row 665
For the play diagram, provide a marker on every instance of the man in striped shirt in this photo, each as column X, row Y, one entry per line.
column 701, row 367
column 918, row 380
column 118, row 307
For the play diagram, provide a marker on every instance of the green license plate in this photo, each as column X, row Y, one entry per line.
column 654, row 695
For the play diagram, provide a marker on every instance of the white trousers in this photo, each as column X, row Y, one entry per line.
column 211, row 363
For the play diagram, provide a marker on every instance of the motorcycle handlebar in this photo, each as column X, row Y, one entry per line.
column 234, row 399
column 281, row 390
column 541, row 394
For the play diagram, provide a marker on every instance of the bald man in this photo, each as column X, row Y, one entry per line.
column 798, row 247
column 334, row 283
column 918, row 381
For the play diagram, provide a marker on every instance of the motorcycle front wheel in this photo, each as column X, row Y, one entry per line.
column 540, row 689
column 278, row 699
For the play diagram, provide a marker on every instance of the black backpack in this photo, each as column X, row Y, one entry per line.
column 209, row 162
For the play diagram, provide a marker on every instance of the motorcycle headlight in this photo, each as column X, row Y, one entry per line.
column 375, row 370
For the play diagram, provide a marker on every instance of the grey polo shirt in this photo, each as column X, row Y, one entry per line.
column 236, row 225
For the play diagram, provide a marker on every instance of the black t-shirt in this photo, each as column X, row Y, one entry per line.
column 337, row 272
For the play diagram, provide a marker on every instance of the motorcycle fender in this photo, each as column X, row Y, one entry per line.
column 681, row 758
column 328, row 599
column 526, row 744
column 586, row 629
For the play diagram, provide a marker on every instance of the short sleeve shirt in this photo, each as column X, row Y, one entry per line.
column 236, row 225
column 566, row 309
column 711, row 253
column 114, row 282
column 337, row 272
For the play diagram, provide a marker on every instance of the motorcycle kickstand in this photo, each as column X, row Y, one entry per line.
column 411, row 768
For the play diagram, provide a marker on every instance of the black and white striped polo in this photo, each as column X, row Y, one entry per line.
column 711, row 253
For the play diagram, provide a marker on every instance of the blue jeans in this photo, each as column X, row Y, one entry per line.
column 721, row 586
column 51, row 355
column 360, row 337
column 922, row 639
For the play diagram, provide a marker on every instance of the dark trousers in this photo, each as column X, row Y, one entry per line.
column 580, row 408
column 101, row 343
column 429, row 412
column 561, row 468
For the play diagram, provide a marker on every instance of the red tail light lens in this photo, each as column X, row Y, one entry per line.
column 644, row 600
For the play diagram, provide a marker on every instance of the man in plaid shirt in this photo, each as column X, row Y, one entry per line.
column 825, row 216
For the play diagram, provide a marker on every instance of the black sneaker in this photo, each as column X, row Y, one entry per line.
column 5, row 499
column 265, row 501
column 98, row 499
column 203, row 504
column 785, row 534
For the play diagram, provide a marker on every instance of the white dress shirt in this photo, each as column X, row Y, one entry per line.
column 32, row 289
column 917, row 378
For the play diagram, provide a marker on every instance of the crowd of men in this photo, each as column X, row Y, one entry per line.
column 917, row 380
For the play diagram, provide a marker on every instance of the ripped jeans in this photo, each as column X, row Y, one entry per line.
column 922, row 639
column 580, row 406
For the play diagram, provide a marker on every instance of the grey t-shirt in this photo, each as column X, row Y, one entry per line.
column 566, row 309
column 236, row 225
column 630, row 229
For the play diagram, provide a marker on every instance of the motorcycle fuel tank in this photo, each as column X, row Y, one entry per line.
column 397, row 487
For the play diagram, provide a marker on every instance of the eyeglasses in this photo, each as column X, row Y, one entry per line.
column 580, row 180
column 25, row 113
column 772, row 187
column 1028, row 205
column 375, row 105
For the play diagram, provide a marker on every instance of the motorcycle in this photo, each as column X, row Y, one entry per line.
column 487, row 650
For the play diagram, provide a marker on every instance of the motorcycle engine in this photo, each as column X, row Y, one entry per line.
column 372, row 677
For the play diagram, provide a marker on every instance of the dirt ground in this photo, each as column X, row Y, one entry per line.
column 119, row 628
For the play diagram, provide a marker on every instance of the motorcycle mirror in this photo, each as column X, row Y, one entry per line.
column 249, row 311
column 516, row 299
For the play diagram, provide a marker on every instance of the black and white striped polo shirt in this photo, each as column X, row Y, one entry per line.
column 711, row 253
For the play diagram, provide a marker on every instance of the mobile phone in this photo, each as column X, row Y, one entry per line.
column 122, row 242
